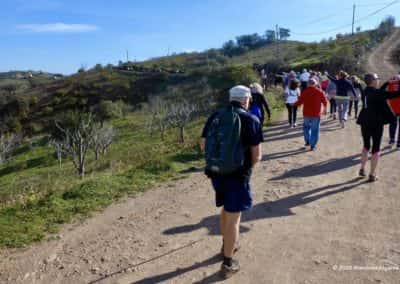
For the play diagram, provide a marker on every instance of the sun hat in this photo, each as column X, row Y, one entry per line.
column 238, row 93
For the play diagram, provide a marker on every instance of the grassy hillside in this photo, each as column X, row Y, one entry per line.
column 37, row 195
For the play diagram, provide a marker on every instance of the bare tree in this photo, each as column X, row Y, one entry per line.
column 8, row 144
column 77, row 133
column 61, row 148
column 180, row 115
column 102, row 139
column 160, row 111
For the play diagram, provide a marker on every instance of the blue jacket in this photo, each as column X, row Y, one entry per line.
column 343, row 87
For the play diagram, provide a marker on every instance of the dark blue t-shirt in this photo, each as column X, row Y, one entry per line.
column 251, row 135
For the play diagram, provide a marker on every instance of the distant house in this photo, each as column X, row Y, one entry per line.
column 19, row 76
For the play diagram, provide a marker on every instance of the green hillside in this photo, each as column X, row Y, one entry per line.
column 38, row 193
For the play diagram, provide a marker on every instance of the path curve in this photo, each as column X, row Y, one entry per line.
column 379, row 60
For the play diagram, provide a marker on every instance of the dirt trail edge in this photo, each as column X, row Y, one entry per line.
column 379, row 60
column 312, row 222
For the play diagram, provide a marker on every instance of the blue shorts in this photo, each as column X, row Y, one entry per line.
column 233, row 194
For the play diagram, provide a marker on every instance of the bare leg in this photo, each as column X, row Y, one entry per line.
column 231, row 233
column 374, row 163
column 222, row 222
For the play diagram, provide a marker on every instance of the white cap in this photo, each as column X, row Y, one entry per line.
column 238, row 93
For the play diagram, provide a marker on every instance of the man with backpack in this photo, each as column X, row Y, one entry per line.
column 232, row 140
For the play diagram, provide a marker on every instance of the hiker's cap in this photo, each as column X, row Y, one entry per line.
column 256, row 88
column 313, row 81
column 238, row 93
column 368, row 78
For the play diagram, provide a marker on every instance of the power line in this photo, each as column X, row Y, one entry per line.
column 349, row 25
column 372, row 5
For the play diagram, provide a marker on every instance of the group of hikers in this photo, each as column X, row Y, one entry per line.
column 233, row 135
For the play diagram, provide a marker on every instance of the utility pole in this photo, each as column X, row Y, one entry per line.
column 354, row 13
column 277, row 41
column 127, row 56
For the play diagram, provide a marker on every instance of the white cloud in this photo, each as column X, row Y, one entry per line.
column 58, row 28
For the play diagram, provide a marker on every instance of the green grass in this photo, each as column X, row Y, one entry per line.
column 37, row 196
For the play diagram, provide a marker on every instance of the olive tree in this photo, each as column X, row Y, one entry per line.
column 180, row 114
column 160, row 113
column 8, row 144
column 102, row 138
column 76, row 132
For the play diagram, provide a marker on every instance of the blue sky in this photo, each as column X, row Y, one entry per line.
column 61, row 36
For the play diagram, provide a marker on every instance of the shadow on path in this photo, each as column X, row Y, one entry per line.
column 180, row 271
column 284, row 154
column 323, row 167
column 278, row 208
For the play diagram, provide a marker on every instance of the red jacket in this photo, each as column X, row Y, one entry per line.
column 312, row 98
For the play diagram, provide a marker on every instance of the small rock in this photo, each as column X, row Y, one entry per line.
column 317, row 262
column 95, row 270
column 50, row 259
column 27, row 276
column 121, row 218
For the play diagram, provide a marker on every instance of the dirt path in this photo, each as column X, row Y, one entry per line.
column 310, row 214
column 312, row 222
column 379, row 60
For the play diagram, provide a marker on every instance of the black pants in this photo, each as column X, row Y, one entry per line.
column 355, row 103
column 332, row 103
column 292, row 113
column 372, row 133
column 392, row 131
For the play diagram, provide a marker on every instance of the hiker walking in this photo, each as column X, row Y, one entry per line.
column 395, row 106
column 331, row 93
column 232, row 140
column 304, row 78
column 291, row 96
column 343, row 88
column 259, row 104
column 354, row 100
column 312, row 98
column 264, row 79
column 373, row 116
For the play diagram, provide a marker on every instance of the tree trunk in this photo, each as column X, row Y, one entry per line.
column 182, row 134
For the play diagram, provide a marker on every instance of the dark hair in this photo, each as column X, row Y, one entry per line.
column 370, row 77
column 294, row 84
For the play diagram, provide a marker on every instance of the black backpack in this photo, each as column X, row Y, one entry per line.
column 224, row 150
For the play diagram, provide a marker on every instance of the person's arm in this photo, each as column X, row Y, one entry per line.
column 387, row 95
column 203, row 144
column 300, row 100
column 324, row 101
column 351, row 87
column 333, row 79
column 384, row 86
column 256, row 154
column 204, row 133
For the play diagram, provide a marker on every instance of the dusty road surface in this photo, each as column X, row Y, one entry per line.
column 313, row 221
column 379, row 60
